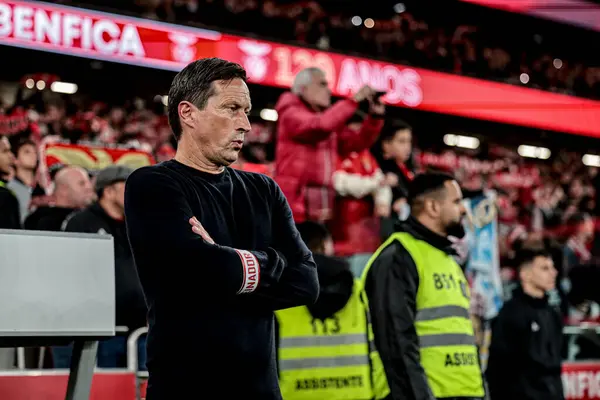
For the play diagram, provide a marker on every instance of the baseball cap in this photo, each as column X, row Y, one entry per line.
column 112, row 174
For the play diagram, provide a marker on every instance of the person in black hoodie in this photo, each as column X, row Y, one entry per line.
column 106, row 216
column 525, row 354
column 336, row 326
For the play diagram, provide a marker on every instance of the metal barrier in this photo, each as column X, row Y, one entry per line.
column 133, row 357
column 573, row 332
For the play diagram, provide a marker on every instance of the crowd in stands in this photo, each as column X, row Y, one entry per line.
column 553, row 203
column 550, row 203
column 456, row 45
column 536, row 201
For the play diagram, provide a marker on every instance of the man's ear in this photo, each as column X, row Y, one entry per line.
column 431, row 206
column 523, row 272
column 187, row 113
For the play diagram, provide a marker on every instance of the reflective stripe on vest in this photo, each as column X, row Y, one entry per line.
column 448, row 352
column 311, row 341
column 324, row 362
column 327, row 359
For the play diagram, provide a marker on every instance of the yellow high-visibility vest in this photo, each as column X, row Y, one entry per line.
column 448, row 352
column 331, row 359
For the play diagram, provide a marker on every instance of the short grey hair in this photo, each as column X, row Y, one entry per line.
column 304, row 78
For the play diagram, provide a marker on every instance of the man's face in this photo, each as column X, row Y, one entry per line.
column 7, row 158
column 452, row 210
column 219, row 129
column 79, row 187
column 27, row 157
column 400, row 146
column 116, row 194
column 540, row 273
column 317, row 92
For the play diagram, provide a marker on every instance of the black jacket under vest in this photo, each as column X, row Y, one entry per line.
column 391, row 286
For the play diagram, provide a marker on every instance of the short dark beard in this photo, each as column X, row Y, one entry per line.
column 456, row 229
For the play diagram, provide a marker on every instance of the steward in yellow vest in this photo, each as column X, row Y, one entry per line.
column 419, row 300
column 325, row 350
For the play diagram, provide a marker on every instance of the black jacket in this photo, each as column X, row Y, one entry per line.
column 525, row 354
column 48, row 218
column 336, row 281
column 130, row 303
column 10, row 215
column 391, row 287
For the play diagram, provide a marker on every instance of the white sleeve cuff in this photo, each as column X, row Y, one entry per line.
column 251, row 270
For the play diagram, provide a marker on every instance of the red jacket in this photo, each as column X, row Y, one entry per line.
column 308, row 146
column 355, row 228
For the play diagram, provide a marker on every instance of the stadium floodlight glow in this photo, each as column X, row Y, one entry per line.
column 165, row 100
column 268, row 114
column 63, row 87
column 41, row 85
column 356, row 20
column 557, row 62
column 466, row 142
column 542, row 153
column 29, row 83
column 524, row 78
column 591, row 160
column 399, row 8
column 369, row 23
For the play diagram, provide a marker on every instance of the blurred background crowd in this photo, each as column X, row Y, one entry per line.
column 545, row 192
column 412, row 33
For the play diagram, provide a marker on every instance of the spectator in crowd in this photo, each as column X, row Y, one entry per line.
column 26, row 161
column 363, row 197
column 525, row 353
column 392, row 151
column 577, row 249
column 106, row 216
column 419, row 299
column 72, row 191
column 312, row 135
column 10, row 216
column 335, row 327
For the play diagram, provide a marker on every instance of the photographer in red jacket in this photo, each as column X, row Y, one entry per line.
column 312, row 135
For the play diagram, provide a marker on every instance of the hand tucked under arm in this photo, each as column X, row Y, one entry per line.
column 158, row 224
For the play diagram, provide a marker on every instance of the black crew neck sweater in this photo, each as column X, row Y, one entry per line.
column 204, row 336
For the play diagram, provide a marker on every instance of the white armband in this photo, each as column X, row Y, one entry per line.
column 251, row 269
